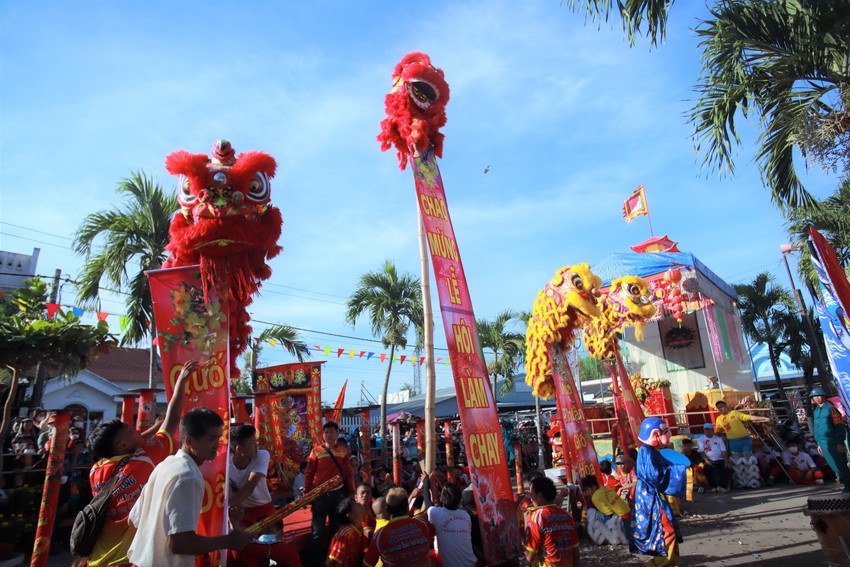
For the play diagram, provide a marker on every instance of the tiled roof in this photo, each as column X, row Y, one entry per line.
column 125, row 365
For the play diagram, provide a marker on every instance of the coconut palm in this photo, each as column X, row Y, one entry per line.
column 635, row 15
column 131, row 241
column 507, row 346
column 831, row 217
column 393, row 303
column 764, row 309
column 785, row 61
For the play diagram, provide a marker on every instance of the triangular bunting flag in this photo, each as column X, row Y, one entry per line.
column 413, row 360
column 370, row 355
column 395, row 357
column 447, row 360
column 402, row 359
column 327, row 350
column 383, row 357
column 123, row 321
column 438, row 360
column 351, row 354
column 317, row 347
column 421, row 360
column 77, row 311
column 339, row 352
column 52, row 308
column 102, row 315
column 272, row 342
column 362, row 352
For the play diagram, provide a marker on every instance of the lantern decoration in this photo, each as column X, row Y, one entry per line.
column 669, row 290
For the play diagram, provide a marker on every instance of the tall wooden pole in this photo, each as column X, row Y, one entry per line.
column 430, row 371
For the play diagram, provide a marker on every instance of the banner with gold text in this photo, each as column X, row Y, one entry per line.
column 577, row 441
column 292, row 409
column 193, row 327
column 482, row 432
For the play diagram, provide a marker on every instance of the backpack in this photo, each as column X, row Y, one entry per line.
column 89, row 520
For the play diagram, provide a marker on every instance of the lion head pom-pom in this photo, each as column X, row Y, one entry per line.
column 416, row 109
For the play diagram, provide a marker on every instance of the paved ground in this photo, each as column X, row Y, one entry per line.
column 764, row 527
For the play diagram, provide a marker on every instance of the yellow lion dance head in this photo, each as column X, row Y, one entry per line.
column 627, row 303
column 566, row 303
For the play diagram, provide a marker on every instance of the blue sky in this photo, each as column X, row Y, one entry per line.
column 569, row 118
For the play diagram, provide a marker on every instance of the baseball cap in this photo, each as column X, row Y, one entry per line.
column 620, row 460
column 708, row 426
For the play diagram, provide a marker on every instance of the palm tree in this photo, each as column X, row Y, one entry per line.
column 288, row 338
column 134, row 238
column 393, row 303
column 506, row 346
column 764, row 314
column 786, row 60
column 634, row 14
column 831, row 217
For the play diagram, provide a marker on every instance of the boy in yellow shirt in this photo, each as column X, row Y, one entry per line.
column 611, row 519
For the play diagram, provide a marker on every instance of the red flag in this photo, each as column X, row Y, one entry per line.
column 339, row 352
column 383, row 357
column 635, row 206
column 336, row 415
column 52, row 308
column 401, row 361
column 829, row 260
column 362, row 352
column 102, row 315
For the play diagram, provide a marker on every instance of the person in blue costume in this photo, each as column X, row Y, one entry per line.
column 656, row 531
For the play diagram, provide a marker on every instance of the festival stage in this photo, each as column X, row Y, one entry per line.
column 296, row 528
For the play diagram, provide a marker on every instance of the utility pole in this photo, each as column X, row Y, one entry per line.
column 54, row 294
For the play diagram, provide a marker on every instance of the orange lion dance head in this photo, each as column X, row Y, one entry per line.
column 416, row 109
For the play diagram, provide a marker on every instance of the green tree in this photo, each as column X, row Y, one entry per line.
column 637, row 15
column 786, row 62
column 132, row 240
column 28, row 338
column 764, row 309
column 393, row 303
column 284, row 335
column 590, row 368
column 505, row 345
column 831, row 217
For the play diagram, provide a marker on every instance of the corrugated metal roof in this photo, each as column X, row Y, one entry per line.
column 125, row 365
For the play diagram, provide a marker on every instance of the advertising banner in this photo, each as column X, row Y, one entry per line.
column 485, row 450
column 634, row 412
column 575, row 435
column 193, row 327
column 292, row 410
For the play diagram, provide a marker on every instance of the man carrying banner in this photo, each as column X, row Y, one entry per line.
column 123, row 450
column 325, row 462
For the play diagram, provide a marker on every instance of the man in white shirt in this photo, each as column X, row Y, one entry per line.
column 717, row 465
column 801, row 467
column 452, row 524
column 167, row 511
column 250, row 498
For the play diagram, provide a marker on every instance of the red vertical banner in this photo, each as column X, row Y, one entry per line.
column 50, row 493
column 520, row 489
column 366, row 440
column 263, row 422
column 128, row 408
column 147, row 403
column 194, row 327
column 240, row 409
column 396, row 427
column 420, row 440
column 485, row 450
column 634, row 412
column 622, row 423
column 575, row 435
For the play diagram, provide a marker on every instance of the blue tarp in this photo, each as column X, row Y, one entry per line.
column 651, row 263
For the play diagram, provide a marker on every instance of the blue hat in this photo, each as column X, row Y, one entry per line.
column 817, row 392
column 708, row 426
column 649, row 425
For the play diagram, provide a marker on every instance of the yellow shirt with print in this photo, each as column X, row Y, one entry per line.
column 732, row 424
column 609, row 503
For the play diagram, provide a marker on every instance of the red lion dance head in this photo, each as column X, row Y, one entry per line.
column 226, row 225
column 416, row 108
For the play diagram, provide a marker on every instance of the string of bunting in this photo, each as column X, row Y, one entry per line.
column 124, row 321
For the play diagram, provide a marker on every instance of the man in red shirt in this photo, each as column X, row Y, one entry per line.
column 349, row 542
column 114, row 443
column 325, row 462
column 404, row 541
column 551, row 538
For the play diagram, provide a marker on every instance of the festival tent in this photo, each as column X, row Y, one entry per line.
column 707, row 342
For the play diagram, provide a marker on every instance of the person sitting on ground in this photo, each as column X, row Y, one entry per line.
column 768, row 462
column 801, row 467
column 609, row 520
column 349, row 542
column 403, row 541
column 731, row 423
column 716, row 460
column 363, row 496
column 167, row 511
column 551, row 537
column 811, row 447
column 121, row 449
column 452, row 525
column 608, row 478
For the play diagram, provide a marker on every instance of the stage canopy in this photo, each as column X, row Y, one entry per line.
column 652, row 265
